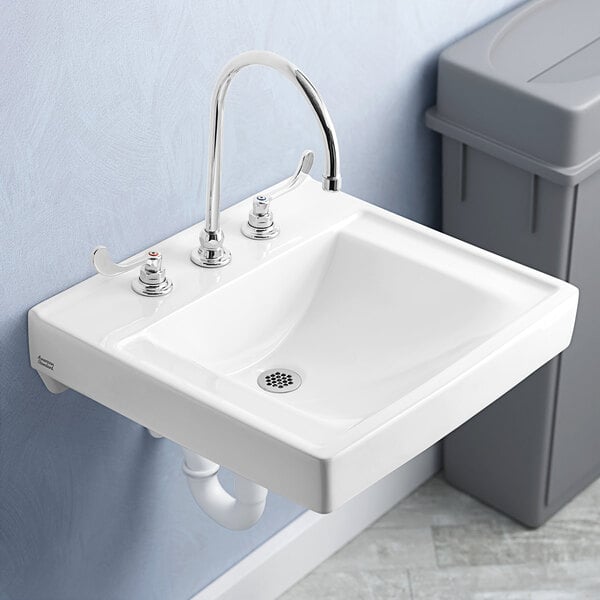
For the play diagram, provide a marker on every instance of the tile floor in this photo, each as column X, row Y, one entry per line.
column 442, row 544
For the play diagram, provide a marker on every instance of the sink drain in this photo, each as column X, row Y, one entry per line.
column 279, row 381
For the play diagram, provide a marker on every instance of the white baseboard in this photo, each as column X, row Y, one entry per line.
column 306, row 542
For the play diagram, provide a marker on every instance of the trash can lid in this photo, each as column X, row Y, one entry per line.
column 530, row 81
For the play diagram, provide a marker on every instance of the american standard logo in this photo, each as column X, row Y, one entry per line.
column 45, row 362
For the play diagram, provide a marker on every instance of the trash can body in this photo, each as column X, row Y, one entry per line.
column 521, row 178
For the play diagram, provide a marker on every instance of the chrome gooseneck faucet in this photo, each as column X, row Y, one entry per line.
column 212, row 252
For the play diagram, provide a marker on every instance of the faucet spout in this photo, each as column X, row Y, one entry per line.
column 212, row 252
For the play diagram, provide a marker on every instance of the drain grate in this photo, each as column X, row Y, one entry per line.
column 279, row 381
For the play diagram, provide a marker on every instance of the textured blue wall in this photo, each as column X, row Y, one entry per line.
column 103, row 118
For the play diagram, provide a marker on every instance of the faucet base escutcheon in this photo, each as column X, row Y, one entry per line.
column 211, row 253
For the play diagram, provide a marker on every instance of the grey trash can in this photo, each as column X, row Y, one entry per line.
column 519, row 112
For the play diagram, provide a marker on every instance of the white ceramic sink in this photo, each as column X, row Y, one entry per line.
column 399, row 334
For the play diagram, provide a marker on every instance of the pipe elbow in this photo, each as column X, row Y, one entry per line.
column 238, row 511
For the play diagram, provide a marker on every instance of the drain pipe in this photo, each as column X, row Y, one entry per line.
column 240, row 511
column 237, row 512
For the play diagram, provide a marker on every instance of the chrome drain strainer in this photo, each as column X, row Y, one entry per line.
column 279, row 381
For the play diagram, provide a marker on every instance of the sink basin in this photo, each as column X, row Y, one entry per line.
column 392, row 334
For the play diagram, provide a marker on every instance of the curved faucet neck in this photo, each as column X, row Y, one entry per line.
column 331, row 175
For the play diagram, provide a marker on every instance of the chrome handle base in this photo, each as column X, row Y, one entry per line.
column 152, row 280
column 260, row 224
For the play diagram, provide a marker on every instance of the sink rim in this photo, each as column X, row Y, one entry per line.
column 324, row 477
column 341, row 440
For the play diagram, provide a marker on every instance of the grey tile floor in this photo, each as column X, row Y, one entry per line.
column 442, row 544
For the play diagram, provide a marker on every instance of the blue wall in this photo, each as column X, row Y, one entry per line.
column 103, row 119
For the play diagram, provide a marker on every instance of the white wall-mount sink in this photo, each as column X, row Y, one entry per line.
column 400, row 334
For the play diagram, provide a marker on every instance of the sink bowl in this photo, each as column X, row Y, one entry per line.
column 382, row 336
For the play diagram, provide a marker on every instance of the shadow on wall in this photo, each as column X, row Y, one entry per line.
column 104, row 116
